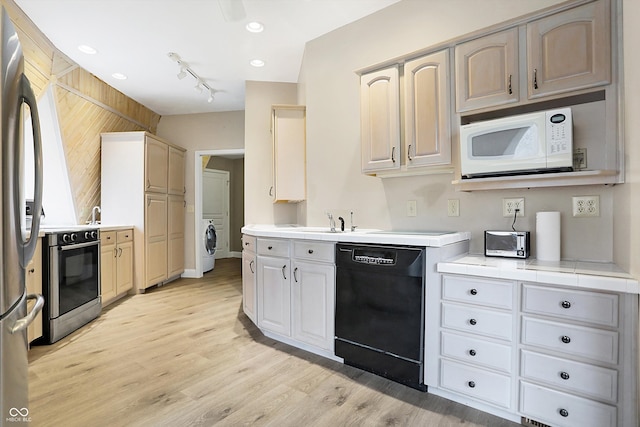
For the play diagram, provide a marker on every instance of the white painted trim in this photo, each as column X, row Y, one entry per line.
column 191, row 273
column 233, row 254
column 198, row 198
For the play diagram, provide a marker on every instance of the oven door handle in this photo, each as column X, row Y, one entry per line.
column 78, row 246
column 23, row 323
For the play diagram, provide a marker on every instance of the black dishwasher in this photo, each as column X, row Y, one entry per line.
column 380, row 300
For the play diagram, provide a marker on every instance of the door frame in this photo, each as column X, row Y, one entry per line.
column 198, row 197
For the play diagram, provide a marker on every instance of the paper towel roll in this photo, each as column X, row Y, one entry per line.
column 548, row 236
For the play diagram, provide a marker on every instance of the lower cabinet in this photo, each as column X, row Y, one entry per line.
column 116, row 264
column 249, row 268
column 33, row 280
column 295, row 290
column 553, row 355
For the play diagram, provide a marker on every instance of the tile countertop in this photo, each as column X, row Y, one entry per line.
column 413, row 238
column 581, row 274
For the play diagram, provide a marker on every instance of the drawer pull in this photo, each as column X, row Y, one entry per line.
column 473, row 292
column 270, row 247
column 565, row 339
column 564, row 375
column 310, row 251
column 473, row 322
column 563, row 412
column 472, row 352
column 565, row 304
column 471, row 384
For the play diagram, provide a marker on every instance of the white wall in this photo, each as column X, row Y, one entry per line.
column 210, row 131
column 258, row 161
column 330, row 89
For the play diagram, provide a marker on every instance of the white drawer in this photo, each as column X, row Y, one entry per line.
column 248, row 243
column 476, row 382
column 592, row 343
column 563, row 410
column 477, row 320
column 493, row 293
column 585, row 306
column 273, row 247
column 314, row 251
column 594, row 381
column 476, row 351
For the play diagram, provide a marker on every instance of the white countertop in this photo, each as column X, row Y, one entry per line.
column 581, row 274
column 413, row 238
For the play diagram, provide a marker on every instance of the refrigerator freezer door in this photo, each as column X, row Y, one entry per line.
column 14, row 398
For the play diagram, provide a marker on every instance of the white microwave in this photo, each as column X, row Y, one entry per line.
column 529, row 143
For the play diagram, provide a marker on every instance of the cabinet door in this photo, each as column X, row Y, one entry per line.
column 487, row 71
column 176, row 236
column 569, row 50
column 249, row 284
column 176, row 171
column 427, row 136
column 289, row 153
column 108, row 268
column 313, row 296
column 274, row 295
column 155, row 238
column 124, row 272
column 34, row 286
column 156, row 160
column 380, row 120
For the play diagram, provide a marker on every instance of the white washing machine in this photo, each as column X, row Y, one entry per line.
column 208, row 246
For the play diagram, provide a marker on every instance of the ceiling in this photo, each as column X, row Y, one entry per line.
column 135, row 37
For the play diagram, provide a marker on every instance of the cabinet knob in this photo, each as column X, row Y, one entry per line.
column 471, row 384
column 310, row 251
column 565, row 304
column 270, row 247
column 246, row 243
column 564, row 375
column 472, row 352
column 563, row 412
column 473, row 322
column 33, row 270
column 565, row 339
column 473, row 292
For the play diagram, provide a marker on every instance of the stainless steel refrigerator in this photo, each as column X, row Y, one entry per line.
column 17, row 245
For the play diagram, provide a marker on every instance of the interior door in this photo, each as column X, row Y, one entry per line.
column 215, row 205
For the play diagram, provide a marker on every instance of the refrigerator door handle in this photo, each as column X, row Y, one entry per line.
column 23, row 323
column 28, row 247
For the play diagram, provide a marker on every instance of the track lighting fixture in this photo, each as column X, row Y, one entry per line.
column 185, row 69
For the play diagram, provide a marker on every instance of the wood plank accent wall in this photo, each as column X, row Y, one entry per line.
column 86, row 107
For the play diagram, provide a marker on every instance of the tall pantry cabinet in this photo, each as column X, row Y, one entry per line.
column 143, row 185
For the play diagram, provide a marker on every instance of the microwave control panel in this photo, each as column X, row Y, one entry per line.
column 559, row 131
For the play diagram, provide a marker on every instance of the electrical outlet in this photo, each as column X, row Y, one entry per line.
column 509, row 206
column 453, row 207
column 586, row 206
column 412, row 209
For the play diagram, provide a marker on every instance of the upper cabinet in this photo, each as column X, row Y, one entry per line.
column 564, row 52
column 380, row 120
column 570, row 50
column 427, row 110
column 156, row 165
column 288, row 128
column 487, row 71
column 176, row 171
column 426, row 115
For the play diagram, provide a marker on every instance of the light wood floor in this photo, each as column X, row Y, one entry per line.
column 186, row 355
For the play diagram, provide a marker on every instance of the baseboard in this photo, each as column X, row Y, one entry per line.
column 191, row 273
column 234, row 254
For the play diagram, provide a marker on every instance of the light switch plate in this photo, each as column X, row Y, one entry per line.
column 412, row 208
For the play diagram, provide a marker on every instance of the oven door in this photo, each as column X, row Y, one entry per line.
column 75, row 276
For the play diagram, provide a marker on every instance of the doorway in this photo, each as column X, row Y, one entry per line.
column 215, row 206
column 219, row 160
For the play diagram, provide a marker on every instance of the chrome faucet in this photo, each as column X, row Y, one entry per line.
column 332, row 222
column 93, row 215
column 353, row 227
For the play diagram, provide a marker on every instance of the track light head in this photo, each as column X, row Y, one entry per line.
column 182, row 74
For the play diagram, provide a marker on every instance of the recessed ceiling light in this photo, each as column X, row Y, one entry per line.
column 87, row 49
column 257, row 63
column 255, row 27
column 119, row 76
